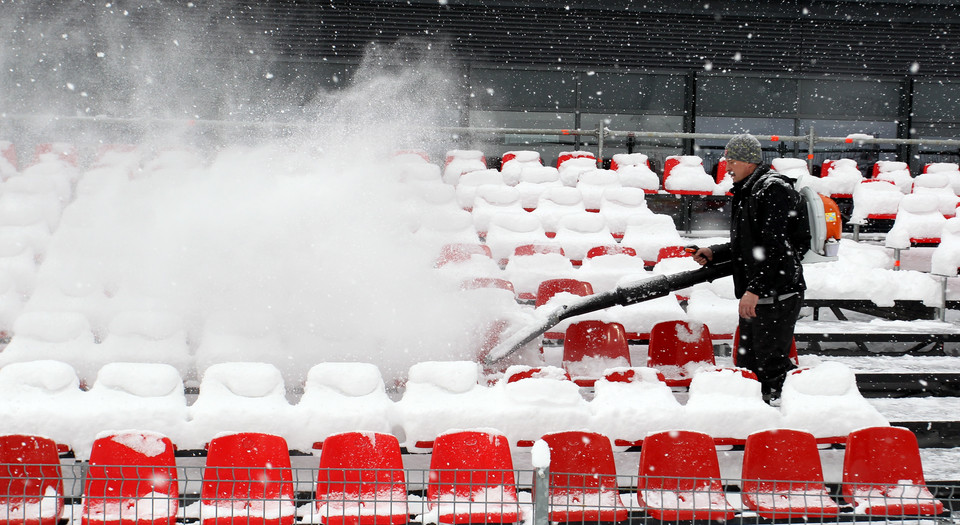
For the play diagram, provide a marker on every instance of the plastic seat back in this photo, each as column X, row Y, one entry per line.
column 675, row 346
column 782, row 476
column 583, row 478
column 472, row 478
column 590, row 347
column 361, row 480
column 247, row 480
column 680, row 478
column 883, row 474
column 30, row 478
column 132, row 480
column 551, row 287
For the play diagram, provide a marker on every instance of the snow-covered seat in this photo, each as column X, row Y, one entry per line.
column 507, row 232
column 571, row 168
column 26, row 222
column 648, row 233
column 469, row 183
column 414, row 166
column 796, row 169
column 638, row 319
column 554, row 204
column 936, row 183
column 439, row 227
column 633, row 171
column 919, row 221
column 565, row 156
column 439, row 396
column 896, row 172
column 578, row 233
column 950, row 170
column 719, row 396
column 723, row 178
column 57, row 335
column 604, row 268
column 946, row 256
column 18, row 261
column 11, row 304
column 619, row 205
column 630, row 403
column 685, row 175
column 63, row 151
column 513, row 163
column 459, row 162
column 718, row 312
column 527, row 270
column 824, row 400
column 147, row 336
column 875, row 199
column 494, row 200
column 229, row 336
column 840, row 179
column 593, row 183
column 146, row 396
column 534, row 181
column 434, row 195
column 41, row 397
column 528, row 405
column 45, row 194
column 340, row 397
column 238, row 397
column 8, row 159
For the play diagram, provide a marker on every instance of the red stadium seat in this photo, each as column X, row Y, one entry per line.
column 721, row 170
column 461, row 252
column 361, row 480
column 64, row 151
column 680, row 478
column 668, row 252
column 591, row 345
column 132, row 480
column 616, row 249
column 674, row 345
column 537, row 249
column 883, row 474
column 551, row 287
column 487, row 282
column 472, row 479
column 247, row 480
column 565, row 156
column 531, row 373
column 583, row 478
column 29, row 480
column 9, row 152
column 782, row 476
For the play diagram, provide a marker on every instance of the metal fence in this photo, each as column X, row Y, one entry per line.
column 275, row 495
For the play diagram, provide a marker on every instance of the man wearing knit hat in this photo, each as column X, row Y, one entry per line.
column 767, row 214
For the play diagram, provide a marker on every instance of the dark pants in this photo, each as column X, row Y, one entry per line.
column 765, row 341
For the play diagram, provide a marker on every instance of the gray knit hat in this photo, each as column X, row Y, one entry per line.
column 745, row 148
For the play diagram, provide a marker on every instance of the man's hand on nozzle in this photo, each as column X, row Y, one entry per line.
column 703, row 255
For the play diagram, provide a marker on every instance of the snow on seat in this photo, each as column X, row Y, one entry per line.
column 42, row 398
column 719, row 396
column 18, row 261
column 31, row 486
column 233, row 336
column 919, row 221
column 950, row 169
column 824, row 400
column 412, row 167
column 444, row 226
column 8, row 159
column 514, row 162
column 238, row 397
column 946, row 256
column 679, row 349
column 493, row 200
column 883, row 474
column 124, row 156
column 593, row 183
column 795, row 169
column 606, row 265
column 583, row 478
column 619, row 205
column 340, row 397
column 507, row 232
column 571, row 170
column 148, row 336
column 527, row 269
column 361, row 480
column 61, row 336
column 633, row 171
column 590, row 347
column 467, row 261
column 718, row 311
column 687, row 176
column 647, row 233
column 434, row 195
column 639, row 319
column 675, row 259
column 62, row 151
column 937, row 183
column 25, row 221
column 553, row 293
column 530, row 401
column 578, row 233
column 45, row 195
column 460, row 162
column 679, row 478
column 895, row 172
column 440, row 395
column 247, row 480
column 556, row 203
column 147, row 396
column 723, row 178
column 469, row 183
column 472, row 479
column 782, row 477
column 839, row 181
column 874, row 199
column 534, row 181
column 131, row 480
column 630, row 403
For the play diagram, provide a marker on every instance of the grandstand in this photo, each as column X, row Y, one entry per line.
column 228, row 299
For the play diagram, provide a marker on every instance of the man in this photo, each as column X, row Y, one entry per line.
column 767, row 274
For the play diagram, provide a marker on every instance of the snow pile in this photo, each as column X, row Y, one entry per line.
column 718, row 397
column 951, row 170
column 796, row 169
column 571, row 169
column 896, row 172
column 516, row 161
column 825, row 401
column 635, row 405
column 874, row 197
column 946, row 257
column 533, row 182
column 592, row 185
column 937, row 183
column 460, row 162
column 919, row 218
column 841, row 179
column 688, row 175
column 634, row 171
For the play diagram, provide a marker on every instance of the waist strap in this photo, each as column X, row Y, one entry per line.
column 776, row 298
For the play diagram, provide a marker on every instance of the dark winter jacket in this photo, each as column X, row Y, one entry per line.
column 765, row 262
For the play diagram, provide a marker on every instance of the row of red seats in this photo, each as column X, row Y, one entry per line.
column 132, row 479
